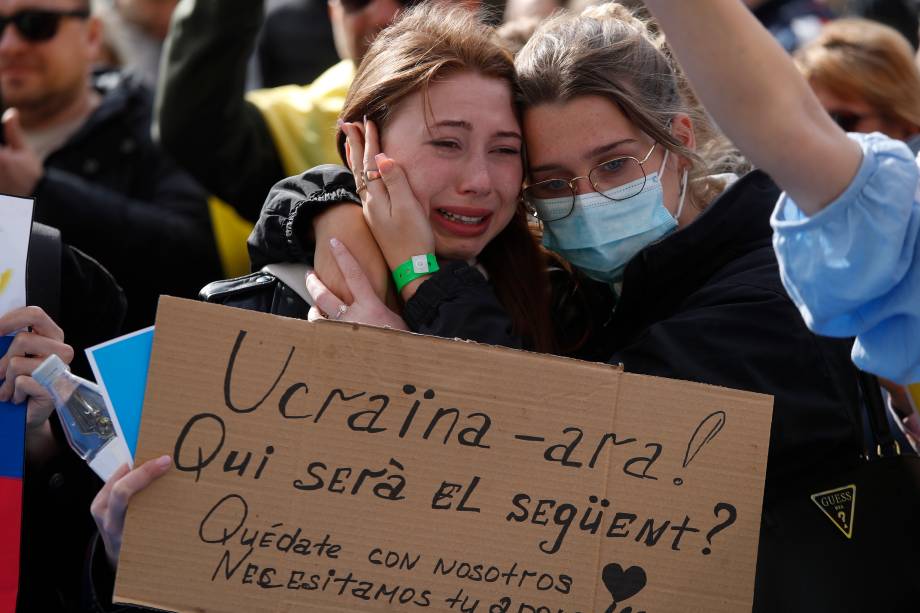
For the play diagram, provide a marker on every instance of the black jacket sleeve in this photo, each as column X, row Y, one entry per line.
column 284, row 232
column 458, row 302
column 202, row 118
column 92, row 308
column 155, row 242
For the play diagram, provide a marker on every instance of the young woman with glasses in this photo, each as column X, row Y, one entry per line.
column 623, row 171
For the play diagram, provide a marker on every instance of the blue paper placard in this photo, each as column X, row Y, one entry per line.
column 12, row 430
column 120, row 367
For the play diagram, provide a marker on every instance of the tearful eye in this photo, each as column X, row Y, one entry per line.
column 612, row 165
column 555, row 185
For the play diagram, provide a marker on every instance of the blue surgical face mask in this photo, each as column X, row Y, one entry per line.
column 601, row 236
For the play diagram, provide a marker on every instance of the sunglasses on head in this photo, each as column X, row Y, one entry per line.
column 353, row 6
column 37, row 25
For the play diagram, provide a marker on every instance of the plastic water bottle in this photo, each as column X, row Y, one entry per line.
column 86, row 420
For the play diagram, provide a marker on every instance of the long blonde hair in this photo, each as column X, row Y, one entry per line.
column 858, row 59
column 610, row 51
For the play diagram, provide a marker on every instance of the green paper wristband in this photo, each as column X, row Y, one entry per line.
column 413, row 268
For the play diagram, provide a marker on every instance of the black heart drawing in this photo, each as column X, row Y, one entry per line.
column 621, row 584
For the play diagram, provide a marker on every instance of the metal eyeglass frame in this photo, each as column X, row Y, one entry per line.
column 574, row 193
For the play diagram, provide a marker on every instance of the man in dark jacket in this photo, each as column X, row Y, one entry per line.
column 75, row 293
column 81, row 146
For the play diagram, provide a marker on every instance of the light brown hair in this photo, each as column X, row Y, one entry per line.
column 611, row 52
column 431, row 42
column 858, row 59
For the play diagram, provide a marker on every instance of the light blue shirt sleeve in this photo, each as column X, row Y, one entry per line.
column 853, row 269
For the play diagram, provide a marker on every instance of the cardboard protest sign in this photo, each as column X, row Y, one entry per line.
column 332, row 467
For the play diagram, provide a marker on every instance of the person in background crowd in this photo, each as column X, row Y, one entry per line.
column 865, row 77
column 847, row 230
column 295, row 45
column 133, row 35
column 791, row 22
column 88, row 308
column 80, row 145
column 240, row 147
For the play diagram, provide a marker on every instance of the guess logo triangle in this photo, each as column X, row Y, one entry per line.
column 840, row 507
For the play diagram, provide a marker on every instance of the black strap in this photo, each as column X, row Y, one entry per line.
column 43, row 270
column 879, row 426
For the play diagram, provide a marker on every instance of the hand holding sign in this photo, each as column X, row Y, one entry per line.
column 111, row 503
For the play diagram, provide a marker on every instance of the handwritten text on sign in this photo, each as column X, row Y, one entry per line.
column 335, row 468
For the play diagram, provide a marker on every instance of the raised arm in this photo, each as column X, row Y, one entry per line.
column 758, row 98
column 202, row 118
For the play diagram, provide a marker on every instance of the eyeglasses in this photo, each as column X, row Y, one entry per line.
column 848, row 121
column 353, row 6
column 36, row 25
column 616, row 179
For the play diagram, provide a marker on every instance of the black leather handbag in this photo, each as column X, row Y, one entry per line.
column 847, row 541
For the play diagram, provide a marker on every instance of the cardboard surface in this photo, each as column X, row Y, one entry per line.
column 308, row 467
